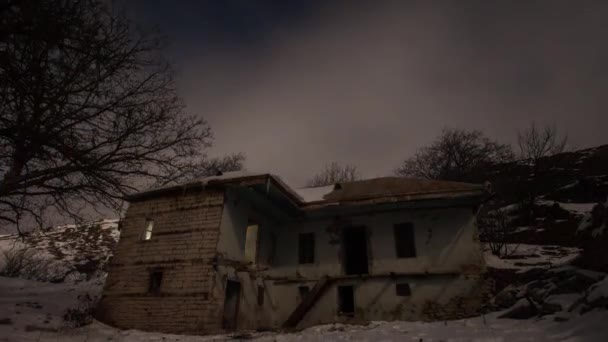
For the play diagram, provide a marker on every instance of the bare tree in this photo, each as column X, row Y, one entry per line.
column 89, row 111
column 495, row 229
column 334, row 173
column 213, row 166
column 454, row 155
column 537, row 142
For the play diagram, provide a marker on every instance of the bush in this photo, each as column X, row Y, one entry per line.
column 495, row 229
column 82, row 314
column 27, row 263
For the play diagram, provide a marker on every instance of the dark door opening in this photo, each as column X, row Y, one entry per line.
column 346, row 300
column 231, row 304
column 355, row 250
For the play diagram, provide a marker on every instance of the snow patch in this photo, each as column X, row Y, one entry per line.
column 599, row 290
column 314, row 194
column 576, row 208
column 524, row 257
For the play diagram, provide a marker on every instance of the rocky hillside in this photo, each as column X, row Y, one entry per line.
column 551, row 220
column 66, row 252
column 570, row 206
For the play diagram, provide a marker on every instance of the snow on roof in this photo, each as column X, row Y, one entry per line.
column 231, row 175
column 225, row 176
column 314, row 194
column 347, row 191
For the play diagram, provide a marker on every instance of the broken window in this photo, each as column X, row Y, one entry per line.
column 147, row 235
column 251, row 242
column 260, row 295
column 272, row 249
column 404, row 240
column 156, row 279
column 303, row 292
column 306, row 248
column 403, row 290
column 346, row 300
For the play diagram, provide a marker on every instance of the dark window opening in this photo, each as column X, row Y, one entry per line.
column 355, row 250
column 405, row 244
column 231, row 304
column 260, row 295
column 303, row 291
column 156, row 279
column 306, row 248
column 403, row 290
column 346, row 300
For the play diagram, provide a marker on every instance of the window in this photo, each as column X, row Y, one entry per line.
column 306, row 248
column 303, row 292
column 260, row 295
column 156, row 279
column 404, row 240
column 251, row 242
column 346, row 300
column 403, row 290
column 147, row 235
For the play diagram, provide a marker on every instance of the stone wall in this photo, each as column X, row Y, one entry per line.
column 183, row 244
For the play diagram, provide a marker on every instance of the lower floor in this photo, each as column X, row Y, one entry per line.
column 55, row 299
column 243, row 300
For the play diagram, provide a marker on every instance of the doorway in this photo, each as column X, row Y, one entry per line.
column 346, row 300
column 354, row 244
column 231, row 304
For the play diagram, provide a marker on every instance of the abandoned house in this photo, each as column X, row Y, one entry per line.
column 246, row 251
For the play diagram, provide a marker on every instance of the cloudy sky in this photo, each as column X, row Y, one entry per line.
column 297, row 84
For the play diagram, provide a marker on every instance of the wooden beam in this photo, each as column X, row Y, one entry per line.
column 292, row 280
column 307, row 302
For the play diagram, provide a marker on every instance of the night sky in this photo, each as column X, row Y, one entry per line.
column 297, row 84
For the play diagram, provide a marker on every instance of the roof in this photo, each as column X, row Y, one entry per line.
column 397, row 187
column 376, row 190
column 236, row 178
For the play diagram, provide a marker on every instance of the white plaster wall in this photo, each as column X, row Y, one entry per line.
column 446, row 242
column 231, row 247
column 376, row 299
column 233, row 229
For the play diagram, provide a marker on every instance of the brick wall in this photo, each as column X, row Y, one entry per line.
column 183, row 243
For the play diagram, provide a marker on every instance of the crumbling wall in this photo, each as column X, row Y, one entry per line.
column 183, row 245
column 433, row 297
column 237, row 212
column 444, row 276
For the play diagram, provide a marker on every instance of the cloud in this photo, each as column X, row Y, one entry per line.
column 368, row 85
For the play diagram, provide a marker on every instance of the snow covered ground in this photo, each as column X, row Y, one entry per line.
column 31, row 311
column 524, row 257
column 34, row 311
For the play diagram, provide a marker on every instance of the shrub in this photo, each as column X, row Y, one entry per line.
column 82, row 314
column 495, row 229
column 27, row 263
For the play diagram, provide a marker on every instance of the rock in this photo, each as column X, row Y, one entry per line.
column 550, row 308
column 575, row 283
column 506, row 298
column 600, row 303
column 538, row 294
column 524, row 309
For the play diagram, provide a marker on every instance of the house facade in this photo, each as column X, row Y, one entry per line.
column 246, row 251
